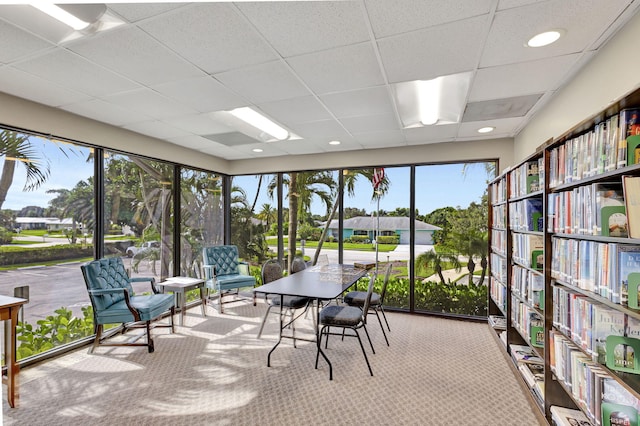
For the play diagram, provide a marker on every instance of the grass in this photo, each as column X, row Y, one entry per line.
column 382, row 248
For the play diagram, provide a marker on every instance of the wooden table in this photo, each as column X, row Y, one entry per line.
column 179, row 285
column 9, row 309
column 320, row 282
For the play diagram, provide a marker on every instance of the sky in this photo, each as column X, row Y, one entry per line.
column 438, row 185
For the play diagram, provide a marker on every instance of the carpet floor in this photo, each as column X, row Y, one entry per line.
column 213, row 371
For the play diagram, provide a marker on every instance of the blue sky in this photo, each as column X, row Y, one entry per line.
column 438, row 185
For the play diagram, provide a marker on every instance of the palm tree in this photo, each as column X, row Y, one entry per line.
column 350, row 177
column 303, row 187
column 436, row 260
column 268, row 214
column 17, row 147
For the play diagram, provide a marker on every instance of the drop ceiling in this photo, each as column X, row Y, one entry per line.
column 325, row 70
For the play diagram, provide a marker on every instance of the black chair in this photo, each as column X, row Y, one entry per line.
column 346, row 317
column 298, row 264
column 271, row 271
column 357, row 298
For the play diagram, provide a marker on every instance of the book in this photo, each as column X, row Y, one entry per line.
column 562, row 416
column 629, row 125
column 631, row 189
column 533, row 177
column 524, row 354
column 611, row 218
column 606, row 321
column 628, row 266
column 533, row 214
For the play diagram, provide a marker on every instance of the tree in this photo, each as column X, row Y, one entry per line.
column 268, row 214
column 469, row 235
column 350, row 177
column 16, row 147
column 441, row 218
column 435, row 260
column 349, row 212
column 303, row 187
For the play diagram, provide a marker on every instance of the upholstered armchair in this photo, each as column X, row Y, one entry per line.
column 114, row 301
column 224, row 272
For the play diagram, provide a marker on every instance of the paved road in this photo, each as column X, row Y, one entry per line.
column 62, row 285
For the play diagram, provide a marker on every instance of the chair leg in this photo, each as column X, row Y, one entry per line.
column 264, row 320
column 366, row 358
column 368, row 338
column 385, row 318
column 381, row 326
column 173, row 312
column 98, row 337
column 149, row 339
column 319, row 343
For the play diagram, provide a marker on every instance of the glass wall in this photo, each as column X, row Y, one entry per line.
column 46, row 231
column 202, row 218
column 451, row 239
column 138, row 212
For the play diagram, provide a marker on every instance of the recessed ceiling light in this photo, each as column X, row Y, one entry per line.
column 61, row 15
column 334, row 143
column 256, row 150
column 545, row 38
column 486, row 129
column 261, row 122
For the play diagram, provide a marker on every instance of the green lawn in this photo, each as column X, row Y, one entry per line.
column 382, row 248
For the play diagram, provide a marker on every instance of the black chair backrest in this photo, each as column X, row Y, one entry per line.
column 298, row 265
column 367, row 300
column 271, row 271
column 387, row 274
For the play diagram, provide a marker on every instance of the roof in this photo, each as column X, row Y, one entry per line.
column 396, row 223
column 45, row 220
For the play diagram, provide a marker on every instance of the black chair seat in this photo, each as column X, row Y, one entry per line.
column 357, row 298
column 292, row 302
column 340, row 316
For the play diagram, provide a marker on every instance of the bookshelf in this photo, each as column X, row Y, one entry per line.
column 565, row 275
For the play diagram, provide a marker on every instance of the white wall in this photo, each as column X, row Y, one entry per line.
column 609, row 76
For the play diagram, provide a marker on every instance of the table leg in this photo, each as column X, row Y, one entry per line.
column 320, row 351
column 280, row 335
column 180, row 302
column 203, row 298
column 10, row 357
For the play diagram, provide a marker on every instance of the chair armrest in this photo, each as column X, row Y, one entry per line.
column 243, row 268
column 134, row 312
column 209, row 271
column 151, row 280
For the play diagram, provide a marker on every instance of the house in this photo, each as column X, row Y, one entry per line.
column 48, row 223
column 389, row 225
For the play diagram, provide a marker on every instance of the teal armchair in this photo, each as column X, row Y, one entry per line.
column 114, row 301
column 224, row 272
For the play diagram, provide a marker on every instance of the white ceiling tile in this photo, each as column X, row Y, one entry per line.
column 135, row 55
column 294, row 28
column 213, row 36
column 386, row 139
column 323, row 129
column 27, row 86
column 148, row 102
column 582, row 20
column 296, row 110
column 100, row 110
column 508, row 4
column 431, row 134
column 297, row 147
column 374, row 100
column 203, row 94
column 16, row 43
column 523, row 78
column 72, row 71
column 411, row 56
column 271, row 81
column 505, row 127
column 370, row 123
column 389, row 19
column 268, row 149
column 336, row 70
column 192, row 142
column 199, row 124
column 222, row 151
column 156, row 129
column 137, row 12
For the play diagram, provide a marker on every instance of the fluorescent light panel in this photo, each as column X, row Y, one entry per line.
column 61, row 15
column 261, row 122
column 440, row 100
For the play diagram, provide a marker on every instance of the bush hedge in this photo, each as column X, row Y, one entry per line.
column 23, row 255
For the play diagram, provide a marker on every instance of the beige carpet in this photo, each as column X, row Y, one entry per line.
column 213, row 371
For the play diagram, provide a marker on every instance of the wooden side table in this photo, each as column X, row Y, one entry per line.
column 179, row 285
column 9, row 308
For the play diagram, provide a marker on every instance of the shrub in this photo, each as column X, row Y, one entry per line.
column 388, row 239
column 359, row 239
column 5, row 236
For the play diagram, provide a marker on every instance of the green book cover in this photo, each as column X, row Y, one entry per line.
column 618, row 415
column 614, row 221
column 633, row 150
column 622, row 354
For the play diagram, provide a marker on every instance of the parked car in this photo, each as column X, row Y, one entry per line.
column 131, row 251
